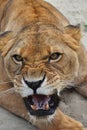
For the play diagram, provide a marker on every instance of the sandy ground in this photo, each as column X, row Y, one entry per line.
column 76, row 12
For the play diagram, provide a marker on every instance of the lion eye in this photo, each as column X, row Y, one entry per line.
column 55, row 56
column 17, row 58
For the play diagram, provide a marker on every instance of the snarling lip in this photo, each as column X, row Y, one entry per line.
column 41, row 105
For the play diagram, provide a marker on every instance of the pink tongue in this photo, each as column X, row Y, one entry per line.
column 40, row 101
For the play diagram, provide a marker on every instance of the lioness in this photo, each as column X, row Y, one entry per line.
column 41, row 54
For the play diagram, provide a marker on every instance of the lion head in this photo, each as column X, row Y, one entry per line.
column 41, row 60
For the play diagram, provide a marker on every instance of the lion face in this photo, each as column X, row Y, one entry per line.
column 41, row 61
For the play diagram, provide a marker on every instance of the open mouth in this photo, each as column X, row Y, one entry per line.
column 41, row 105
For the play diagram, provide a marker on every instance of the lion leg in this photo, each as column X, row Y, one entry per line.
column 13, row 103
column 61, row 122
column 67, row 123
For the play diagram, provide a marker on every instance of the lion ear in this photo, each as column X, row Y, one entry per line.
column 73, row 31
column 4, row 38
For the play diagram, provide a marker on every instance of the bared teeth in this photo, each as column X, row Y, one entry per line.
column 33, row 107
column 47, row 106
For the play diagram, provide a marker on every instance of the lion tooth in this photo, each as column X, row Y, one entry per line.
column 33, row 107
column 47, row 106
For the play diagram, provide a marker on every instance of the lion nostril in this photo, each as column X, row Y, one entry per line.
column 34, row 85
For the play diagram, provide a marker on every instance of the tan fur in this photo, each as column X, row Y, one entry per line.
column 35, row 31
column 60, row 122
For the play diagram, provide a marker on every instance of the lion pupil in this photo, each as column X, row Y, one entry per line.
column 54, row 56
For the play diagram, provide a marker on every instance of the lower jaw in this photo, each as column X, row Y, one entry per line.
column 41, row 113
column 44, row 122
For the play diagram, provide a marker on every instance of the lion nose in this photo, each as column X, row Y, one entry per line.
column 34, row 85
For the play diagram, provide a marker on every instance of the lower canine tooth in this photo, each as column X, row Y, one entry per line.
column 47, row 106
column 33, row 107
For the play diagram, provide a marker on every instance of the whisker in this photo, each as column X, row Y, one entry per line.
column 4, row 82
column 3, row 93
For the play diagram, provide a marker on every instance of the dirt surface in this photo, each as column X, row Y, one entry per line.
column 76, row 12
